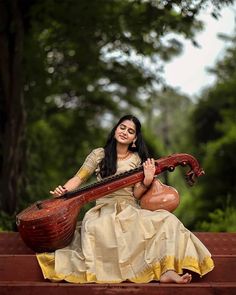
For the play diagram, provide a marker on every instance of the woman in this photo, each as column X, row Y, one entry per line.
column 118, row 241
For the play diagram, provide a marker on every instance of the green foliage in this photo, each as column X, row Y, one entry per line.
column 215, row 138
column 84, row 58
column 220, row 221
column 7, row 222
column 88, row 62
column 167, row 131
column 57, row 148
column 225, row 68
column 80, row 69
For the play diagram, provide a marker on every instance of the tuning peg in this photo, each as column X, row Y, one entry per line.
column 171, row 168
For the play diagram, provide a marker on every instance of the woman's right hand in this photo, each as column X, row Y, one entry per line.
column 58, row 191
column 149, row 171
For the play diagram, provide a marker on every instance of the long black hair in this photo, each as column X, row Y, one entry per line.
column 108, row 164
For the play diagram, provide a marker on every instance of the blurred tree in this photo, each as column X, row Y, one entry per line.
column 168, row 130
column 167, row 118
column 12, row 109
column 76, row 59
column 166, row 110
column 215, row 137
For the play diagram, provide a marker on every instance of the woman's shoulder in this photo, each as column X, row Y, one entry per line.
column 98, row 150
column 98, row 153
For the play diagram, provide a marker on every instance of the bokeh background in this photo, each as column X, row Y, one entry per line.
column 70, row 69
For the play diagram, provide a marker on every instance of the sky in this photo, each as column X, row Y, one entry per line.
column 187, row 72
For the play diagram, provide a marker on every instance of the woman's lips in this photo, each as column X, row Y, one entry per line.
column 122, row 137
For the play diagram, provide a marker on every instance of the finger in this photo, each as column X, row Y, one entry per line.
column 57, row 191
column 60, row 189
column 149, row 161
column 149, row 164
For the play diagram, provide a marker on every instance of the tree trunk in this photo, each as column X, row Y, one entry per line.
column 11, row 104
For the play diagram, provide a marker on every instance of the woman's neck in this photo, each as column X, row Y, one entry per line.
column 121, row 149
column 122, row 152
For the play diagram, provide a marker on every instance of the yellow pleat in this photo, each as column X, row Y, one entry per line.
column 153, row 272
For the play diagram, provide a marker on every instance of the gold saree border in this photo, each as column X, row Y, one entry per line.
column 152, row 272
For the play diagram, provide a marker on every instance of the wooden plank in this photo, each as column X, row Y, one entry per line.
column 11, row 243
column 217, row 243
column 12, row 288
column 20, row 268
column 21, row 275
column 26, row 268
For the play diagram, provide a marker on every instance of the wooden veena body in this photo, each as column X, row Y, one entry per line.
column 49, row 224
column 160, row 196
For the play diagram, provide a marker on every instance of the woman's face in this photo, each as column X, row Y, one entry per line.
column 125, row 132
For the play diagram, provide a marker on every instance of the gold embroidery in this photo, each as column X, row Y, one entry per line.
column 83, row 174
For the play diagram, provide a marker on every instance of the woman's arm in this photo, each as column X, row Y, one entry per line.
column 70, row 185
column 139, row 190
column 149, row 171
column 85, row 171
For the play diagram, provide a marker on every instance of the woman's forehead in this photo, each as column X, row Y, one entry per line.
column 129, row 124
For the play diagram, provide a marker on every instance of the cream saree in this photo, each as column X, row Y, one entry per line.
column 117, row 241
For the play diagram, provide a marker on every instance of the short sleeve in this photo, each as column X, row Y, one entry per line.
column 90, row 164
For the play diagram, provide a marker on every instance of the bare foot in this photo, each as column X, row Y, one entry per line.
column 172, row 277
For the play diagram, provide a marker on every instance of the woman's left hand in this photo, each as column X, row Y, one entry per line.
column 149, row 171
